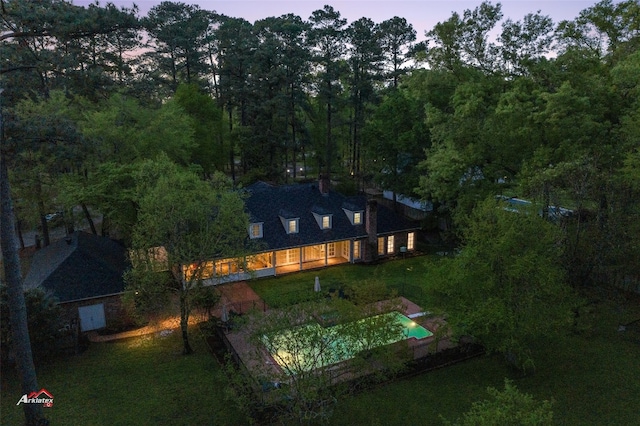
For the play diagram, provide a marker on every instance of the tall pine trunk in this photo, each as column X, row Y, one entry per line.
column 17, row 308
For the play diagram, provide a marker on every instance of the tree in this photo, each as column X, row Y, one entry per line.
column 49, row 146
column 195, row 221
column 365, row 60
column 606, row 28
column 57, row 45
column 396, row 36
column 524, row 43
column 397, row 140
column 13, row 275
column 508, row 407
column 179, row 32
column 507, row 286
column 313, row 374
column 45, row 322
column 327, row 37
column 293, row 33
column 208, row 130
column 464, row 42
column 268, row 85
column 235, row 45
column 22, row 23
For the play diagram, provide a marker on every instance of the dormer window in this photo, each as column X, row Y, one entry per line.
column 355, row 216
column 292, row 226
column 255, row 230
column 290, row 222
column 324, row 220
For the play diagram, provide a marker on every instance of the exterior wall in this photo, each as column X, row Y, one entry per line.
column 370, row 249
column 114, row 312
column 400, row 239
column 318, row 256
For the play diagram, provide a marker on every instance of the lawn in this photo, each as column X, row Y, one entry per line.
column 592, row 375
column 593, row 381
column 407, row 277
column 144, row 381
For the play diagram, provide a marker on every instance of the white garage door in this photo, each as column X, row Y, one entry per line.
column 91, row 317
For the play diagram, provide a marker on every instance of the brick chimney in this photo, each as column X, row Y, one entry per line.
column 371, row 226
column 324, row 184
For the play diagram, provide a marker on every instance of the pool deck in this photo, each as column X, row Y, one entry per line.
column 261, row 363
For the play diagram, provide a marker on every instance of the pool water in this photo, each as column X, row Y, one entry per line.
column 312, row 346
column 412, row 328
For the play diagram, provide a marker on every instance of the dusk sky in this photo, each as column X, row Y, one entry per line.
column 422, row 14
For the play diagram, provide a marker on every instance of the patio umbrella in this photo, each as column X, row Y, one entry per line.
column 316, row 286
column 224, row 316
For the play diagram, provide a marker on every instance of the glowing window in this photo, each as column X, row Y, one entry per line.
column 356, row 249
column 293, row 226
column 411, row 241
column 255, row 230
column 381, row 245
column 326, row 222
column 357, row 218
column 390, row 244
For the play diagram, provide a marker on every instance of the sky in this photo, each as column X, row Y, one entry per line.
column 422, row 14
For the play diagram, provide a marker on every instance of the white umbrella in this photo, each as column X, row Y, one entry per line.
column 316, row 286
column 224, row 316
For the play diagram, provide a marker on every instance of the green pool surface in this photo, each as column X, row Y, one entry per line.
column 312, row 346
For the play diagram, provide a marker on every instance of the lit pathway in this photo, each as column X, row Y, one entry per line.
column 167, row 324
column 237, row 296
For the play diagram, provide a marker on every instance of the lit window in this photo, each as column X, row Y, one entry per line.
column 381, row 245
column 326, row 222
column 356, row 249
column 357, row 218
column 255, row 230
column 331, row 250
column 390, row 244
column 410, row 240
column 293, row 226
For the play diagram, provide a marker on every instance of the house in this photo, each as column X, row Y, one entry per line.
column 410, row 207
column 306, row 226
column 554, row 213
column 84, row 272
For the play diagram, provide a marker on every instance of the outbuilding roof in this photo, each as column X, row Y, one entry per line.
column 82, row 266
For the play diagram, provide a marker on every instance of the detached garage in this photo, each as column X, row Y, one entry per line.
column 85, row 273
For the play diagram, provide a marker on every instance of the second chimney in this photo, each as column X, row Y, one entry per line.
column 324, row 184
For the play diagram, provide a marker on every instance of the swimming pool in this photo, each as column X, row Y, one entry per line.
column 312, row 346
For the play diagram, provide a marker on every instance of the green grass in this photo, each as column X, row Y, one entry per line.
column 144, row 381
column 404, row 276
column 591, row 382
column 592, row 376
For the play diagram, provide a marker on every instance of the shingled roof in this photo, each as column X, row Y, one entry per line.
column 81, row 267
column 270, row 202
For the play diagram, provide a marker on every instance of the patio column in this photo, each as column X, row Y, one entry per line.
column 300, row 250
column 274, row 263
column 326, row 254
